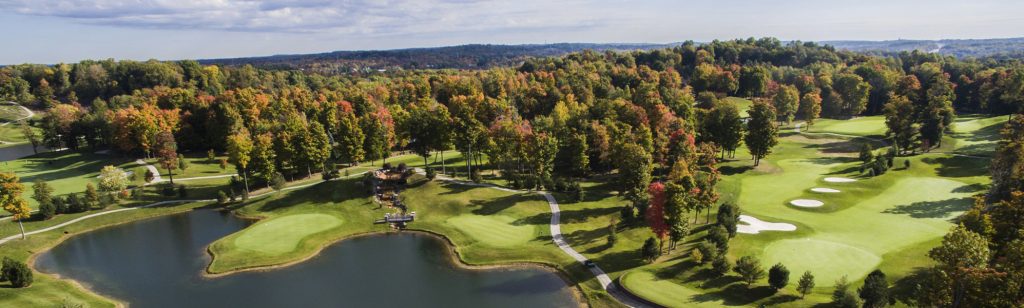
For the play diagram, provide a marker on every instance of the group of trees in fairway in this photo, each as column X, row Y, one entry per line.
column 628, row 114
column 561, row 116
column 981, row 261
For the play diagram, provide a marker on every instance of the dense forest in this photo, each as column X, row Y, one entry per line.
column 633, row 115
column 455, row 57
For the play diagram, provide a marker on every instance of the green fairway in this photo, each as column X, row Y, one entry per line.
column 281, row 235
column 667, row 293
column 65, row 171
column 873, row 126
column 742, row 103
column 976, row 135
column 827, row 260
column 888, row 221
column 494, row 230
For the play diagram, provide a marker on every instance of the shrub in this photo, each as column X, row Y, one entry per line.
column 16, row 272
column 108, row 199
column 906, row 164
column 222, row 197
column 559, row 184
column 47, row 210
column 696, row 256
column 875, row 291
column 211, row 156
column 721, row 266
column 628, row 213
column 475, row 176
column 431, row 173
column 331, row 174
column 529, row 182
column 728, row 215
column 277, row 181
column 58, row 205
column 720, row 237
column 149, row 176
column 578, row 194
column 778, row 276
column 650, row 251
column 749, row 267
column 806, row 284
column 168, row 191
column 708, row 250
column 612, row 235
column 182, row 191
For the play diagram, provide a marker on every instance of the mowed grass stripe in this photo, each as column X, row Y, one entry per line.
column 281, row 235
column 493, row 230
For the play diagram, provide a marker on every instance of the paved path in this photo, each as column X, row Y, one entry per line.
column 556, row 236
column 556, row 230
column 28, row 111
column 152, row 169
column 17, row 236
column 61, row 225
column 197, row 178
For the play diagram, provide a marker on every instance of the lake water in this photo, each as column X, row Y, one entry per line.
column 157, row 263
column 18, row 151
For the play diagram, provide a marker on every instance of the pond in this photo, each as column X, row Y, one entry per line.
column 17, row 151
column 158, row 263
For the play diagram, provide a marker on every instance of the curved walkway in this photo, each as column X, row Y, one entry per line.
column 61, row 225
column 28, row 111
column 152, row 169
column 556, row 236
column 16, row 236
column 556, row 230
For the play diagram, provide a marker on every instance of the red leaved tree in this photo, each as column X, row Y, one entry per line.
column 655, row 214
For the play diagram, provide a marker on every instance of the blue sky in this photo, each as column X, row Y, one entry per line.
column 45, row 31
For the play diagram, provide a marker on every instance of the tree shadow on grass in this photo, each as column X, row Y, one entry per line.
column 599, row 192
column 675, row 270
column 570, row 216
column 620, row 260
column 972, row 188
column 958, row 166
column 598, row 248
column 493, row 206
column 733, row 170
column 932, row 209
column 579, row 237
column 736, row 294
column 780, row 299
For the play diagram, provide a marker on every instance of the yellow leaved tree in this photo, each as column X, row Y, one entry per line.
column 11, row 200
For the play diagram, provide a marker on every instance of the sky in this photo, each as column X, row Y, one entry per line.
column 52, row 31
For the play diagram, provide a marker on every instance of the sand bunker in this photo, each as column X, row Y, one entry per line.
column 839, row 180
column 806, row 203
column 824, row 190
column 751, row 225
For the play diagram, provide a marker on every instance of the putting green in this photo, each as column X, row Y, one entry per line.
column 281, row 235
column 498, row 230
column 826, row 260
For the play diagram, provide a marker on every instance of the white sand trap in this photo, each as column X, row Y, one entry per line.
column 806, row 203
column 824, row 190
column 839, row 180
column 751, row 225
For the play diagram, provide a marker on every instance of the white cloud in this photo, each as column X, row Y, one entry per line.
column 365, row 17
